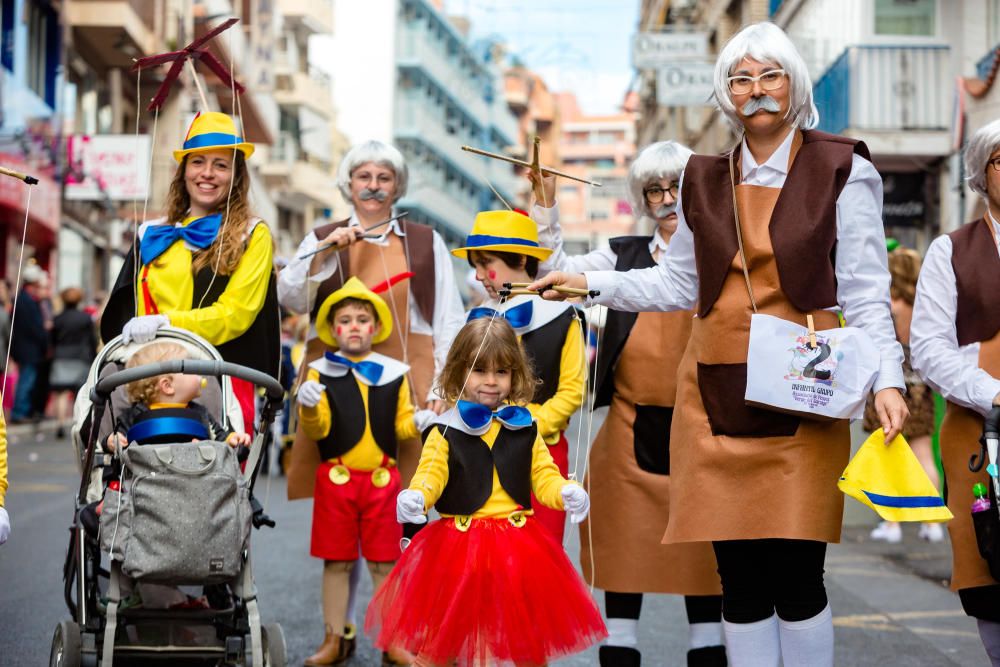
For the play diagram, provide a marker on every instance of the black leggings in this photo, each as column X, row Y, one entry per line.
column 700, row 608
column 761, row 577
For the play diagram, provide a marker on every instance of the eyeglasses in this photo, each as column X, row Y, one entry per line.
column 995, row 163
column 770, row 80
column 654, row 193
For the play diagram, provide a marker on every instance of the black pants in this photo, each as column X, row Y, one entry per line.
column 981, row 602
column 761, row 577
column 700, row 608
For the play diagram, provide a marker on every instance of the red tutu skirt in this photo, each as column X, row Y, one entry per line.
column 494, row 594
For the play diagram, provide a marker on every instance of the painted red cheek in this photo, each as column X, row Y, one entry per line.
column 340, row 330
column 371, row 328
column 491, row 274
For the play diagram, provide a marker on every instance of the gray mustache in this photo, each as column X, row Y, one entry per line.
column 754, row 104
column 664, row 210
column 376, row 194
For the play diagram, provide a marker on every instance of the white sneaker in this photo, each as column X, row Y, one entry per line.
column 888, row 531
column 932, row 532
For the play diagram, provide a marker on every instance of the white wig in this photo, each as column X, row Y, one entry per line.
column 381, row 154
column 977, row 155
column 768, row 44
column 664, row 159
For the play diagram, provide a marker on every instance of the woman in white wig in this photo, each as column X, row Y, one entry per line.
column 761, row 485
column 955, row 347
column 630, row 459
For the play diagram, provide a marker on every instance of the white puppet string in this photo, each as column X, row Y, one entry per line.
column 17, row 289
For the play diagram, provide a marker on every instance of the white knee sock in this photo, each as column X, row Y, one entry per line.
column 622, row 632
column 989, row 632
column 808, row 643
column 701, row 635
column 753, row 644
column 352, row 595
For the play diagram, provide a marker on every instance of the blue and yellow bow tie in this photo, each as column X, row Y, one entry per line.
column 369, row 370
column 517, row 317
column 200, row 233
column 476, row 416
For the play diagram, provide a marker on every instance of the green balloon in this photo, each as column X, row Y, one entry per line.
column 979, row 490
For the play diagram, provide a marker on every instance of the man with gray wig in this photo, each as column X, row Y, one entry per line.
column 801, row 210
column 410, row 266
column 635, row 375
column 955, row 347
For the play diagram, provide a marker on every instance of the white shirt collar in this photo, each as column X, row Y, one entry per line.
column 777, row 162
column 996, row 226
column 393, row 226
column 657, row 242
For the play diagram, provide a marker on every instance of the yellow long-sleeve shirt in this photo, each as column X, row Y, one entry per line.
column 553, row 415
column 432, row 476
column 3, row 458
column 171, row 284
column 365, row 455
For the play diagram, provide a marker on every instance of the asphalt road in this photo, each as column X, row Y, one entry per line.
column 890, row 603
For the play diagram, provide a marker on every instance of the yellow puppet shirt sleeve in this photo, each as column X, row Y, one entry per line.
column 3, row 459
column 553, row 415
column 546, row 480
column 432, row 471
column 406, row 428
column 241, row 302
column 316, row 421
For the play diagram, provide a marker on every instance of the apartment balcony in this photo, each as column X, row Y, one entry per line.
column 308, row 17
column 299, row 181
column 415, row 48
column 416, row 120
column 455, row 212
column 891, row 97
column 312, row 89
column 115, row 31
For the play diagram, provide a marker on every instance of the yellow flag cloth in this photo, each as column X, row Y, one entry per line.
column 891, row 481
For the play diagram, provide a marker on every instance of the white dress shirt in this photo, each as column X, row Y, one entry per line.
column 297, row 290
column 951, row 369
column 861, row 267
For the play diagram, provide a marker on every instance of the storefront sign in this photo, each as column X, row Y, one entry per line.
column 108, row 166
column 903, row 199
column 685, row 84
column 652, row 50
column 44, row 195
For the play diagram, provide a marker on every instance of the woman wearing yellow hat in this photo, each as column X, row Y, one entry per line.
column 207, row 265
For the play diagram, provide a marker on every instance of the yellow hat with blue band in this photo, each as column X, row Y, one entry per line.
column 353, row 289
column 891, row 481
column 210, row 131
column 504, row 231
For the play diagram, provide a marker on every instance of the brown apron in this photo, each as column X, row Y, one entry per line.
column 960, row 433
column 374, row 264
column 621, row 547
column 760, row 474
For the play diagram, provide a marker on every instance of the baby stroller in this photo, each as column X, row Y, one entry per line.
column 181, row 517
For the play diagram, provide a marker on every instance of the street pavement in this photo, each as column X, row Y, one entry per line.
column 891, row 602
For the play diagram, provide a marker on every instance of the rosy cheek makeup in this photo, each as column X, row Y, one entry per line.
column 340, row 330
column 371, row 328
column 491, row 274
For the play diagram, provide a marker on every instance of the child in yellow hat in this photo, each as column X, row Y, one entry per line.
column 503, row 248
column 356, row 405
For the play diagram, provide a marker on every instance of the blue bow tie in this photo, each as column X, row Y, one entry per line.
column 476, row 416
column 369, row 370
column 200, row 233
column 517, row 317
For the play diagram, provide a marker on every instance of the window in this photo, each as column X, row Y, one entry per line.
column 7, row 34
column 905, row 17
column 43, row 50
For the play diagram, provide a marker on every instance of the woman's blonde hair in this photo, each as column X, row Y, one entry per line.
column 904, row 265
column 235, row 210
column 497, row 347
column 144, row 391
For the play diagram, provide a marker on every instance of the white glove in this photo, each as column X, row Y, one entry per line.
column 424, row 418
column 410, row 507
column 310, row 392
column 576, row 502
column 4, row 525
column 143, row 329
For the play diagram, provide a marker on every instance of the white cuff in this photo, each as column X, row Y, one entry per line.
column 605, row 282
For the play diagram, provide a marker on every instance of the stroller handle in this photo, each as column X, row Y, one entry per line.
column 102, row 390
column 991, row 431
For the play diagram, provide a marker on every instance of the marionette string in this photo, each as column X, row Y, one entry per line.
column 17, row 290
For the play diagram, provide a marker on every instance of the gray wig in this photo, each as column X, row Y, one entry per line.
column 977, row 155
column 381, row 154
column 664, row 159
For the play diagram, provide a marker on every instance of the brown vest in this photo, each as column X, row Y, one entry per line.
column 976, row 264
column 419, row 243
column 803, row 228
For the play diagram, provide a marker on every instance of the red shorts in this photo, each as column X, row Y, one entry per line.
column 357, row 513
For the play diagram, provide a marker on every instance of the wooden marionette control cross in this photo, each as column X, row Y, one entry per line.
column 514, row 289
column 533, row 165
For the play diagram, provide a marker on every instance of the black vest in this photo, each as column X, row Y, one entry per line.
column 347, row 415
column 544, row 349
column 470, row 469
column 632, row 253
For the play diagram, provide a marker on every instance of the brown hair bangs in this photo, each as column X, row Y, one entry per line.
column 490, row 343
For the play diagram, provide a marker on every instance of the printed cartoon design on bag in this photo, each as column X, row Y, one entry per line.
column 812, row 371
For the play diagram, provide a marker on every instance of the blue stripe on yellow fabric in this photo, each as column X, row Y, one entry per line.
column 212, row 139
column 904, row 501
column 180, row 427
column 486, row 239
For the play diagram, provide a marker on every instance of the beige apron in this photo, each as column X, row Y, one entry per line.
column 630, row 505
column 735, row 487
column 960, row 433
column 374, row 264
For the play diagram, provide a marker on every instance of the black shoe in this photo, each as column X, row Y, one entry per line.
column 60, row 433
column 349, row 641
column 619, row 656
column 707, row 656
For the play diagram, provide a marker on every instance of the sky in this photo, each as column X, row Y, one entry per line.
column 581, row 46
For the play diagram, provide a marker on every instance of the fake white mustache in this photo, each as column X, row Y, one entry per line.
column 755, row 104
column 664, row 210
column 376, row 194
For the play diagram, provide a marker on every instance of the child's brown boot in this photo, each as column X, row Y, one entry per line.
column 397, row 656
column 329, row 653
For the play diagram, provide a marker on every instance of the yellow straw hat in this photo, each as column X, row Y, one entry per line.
column 212, row 130
column 505, row 231
column 353, row 289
